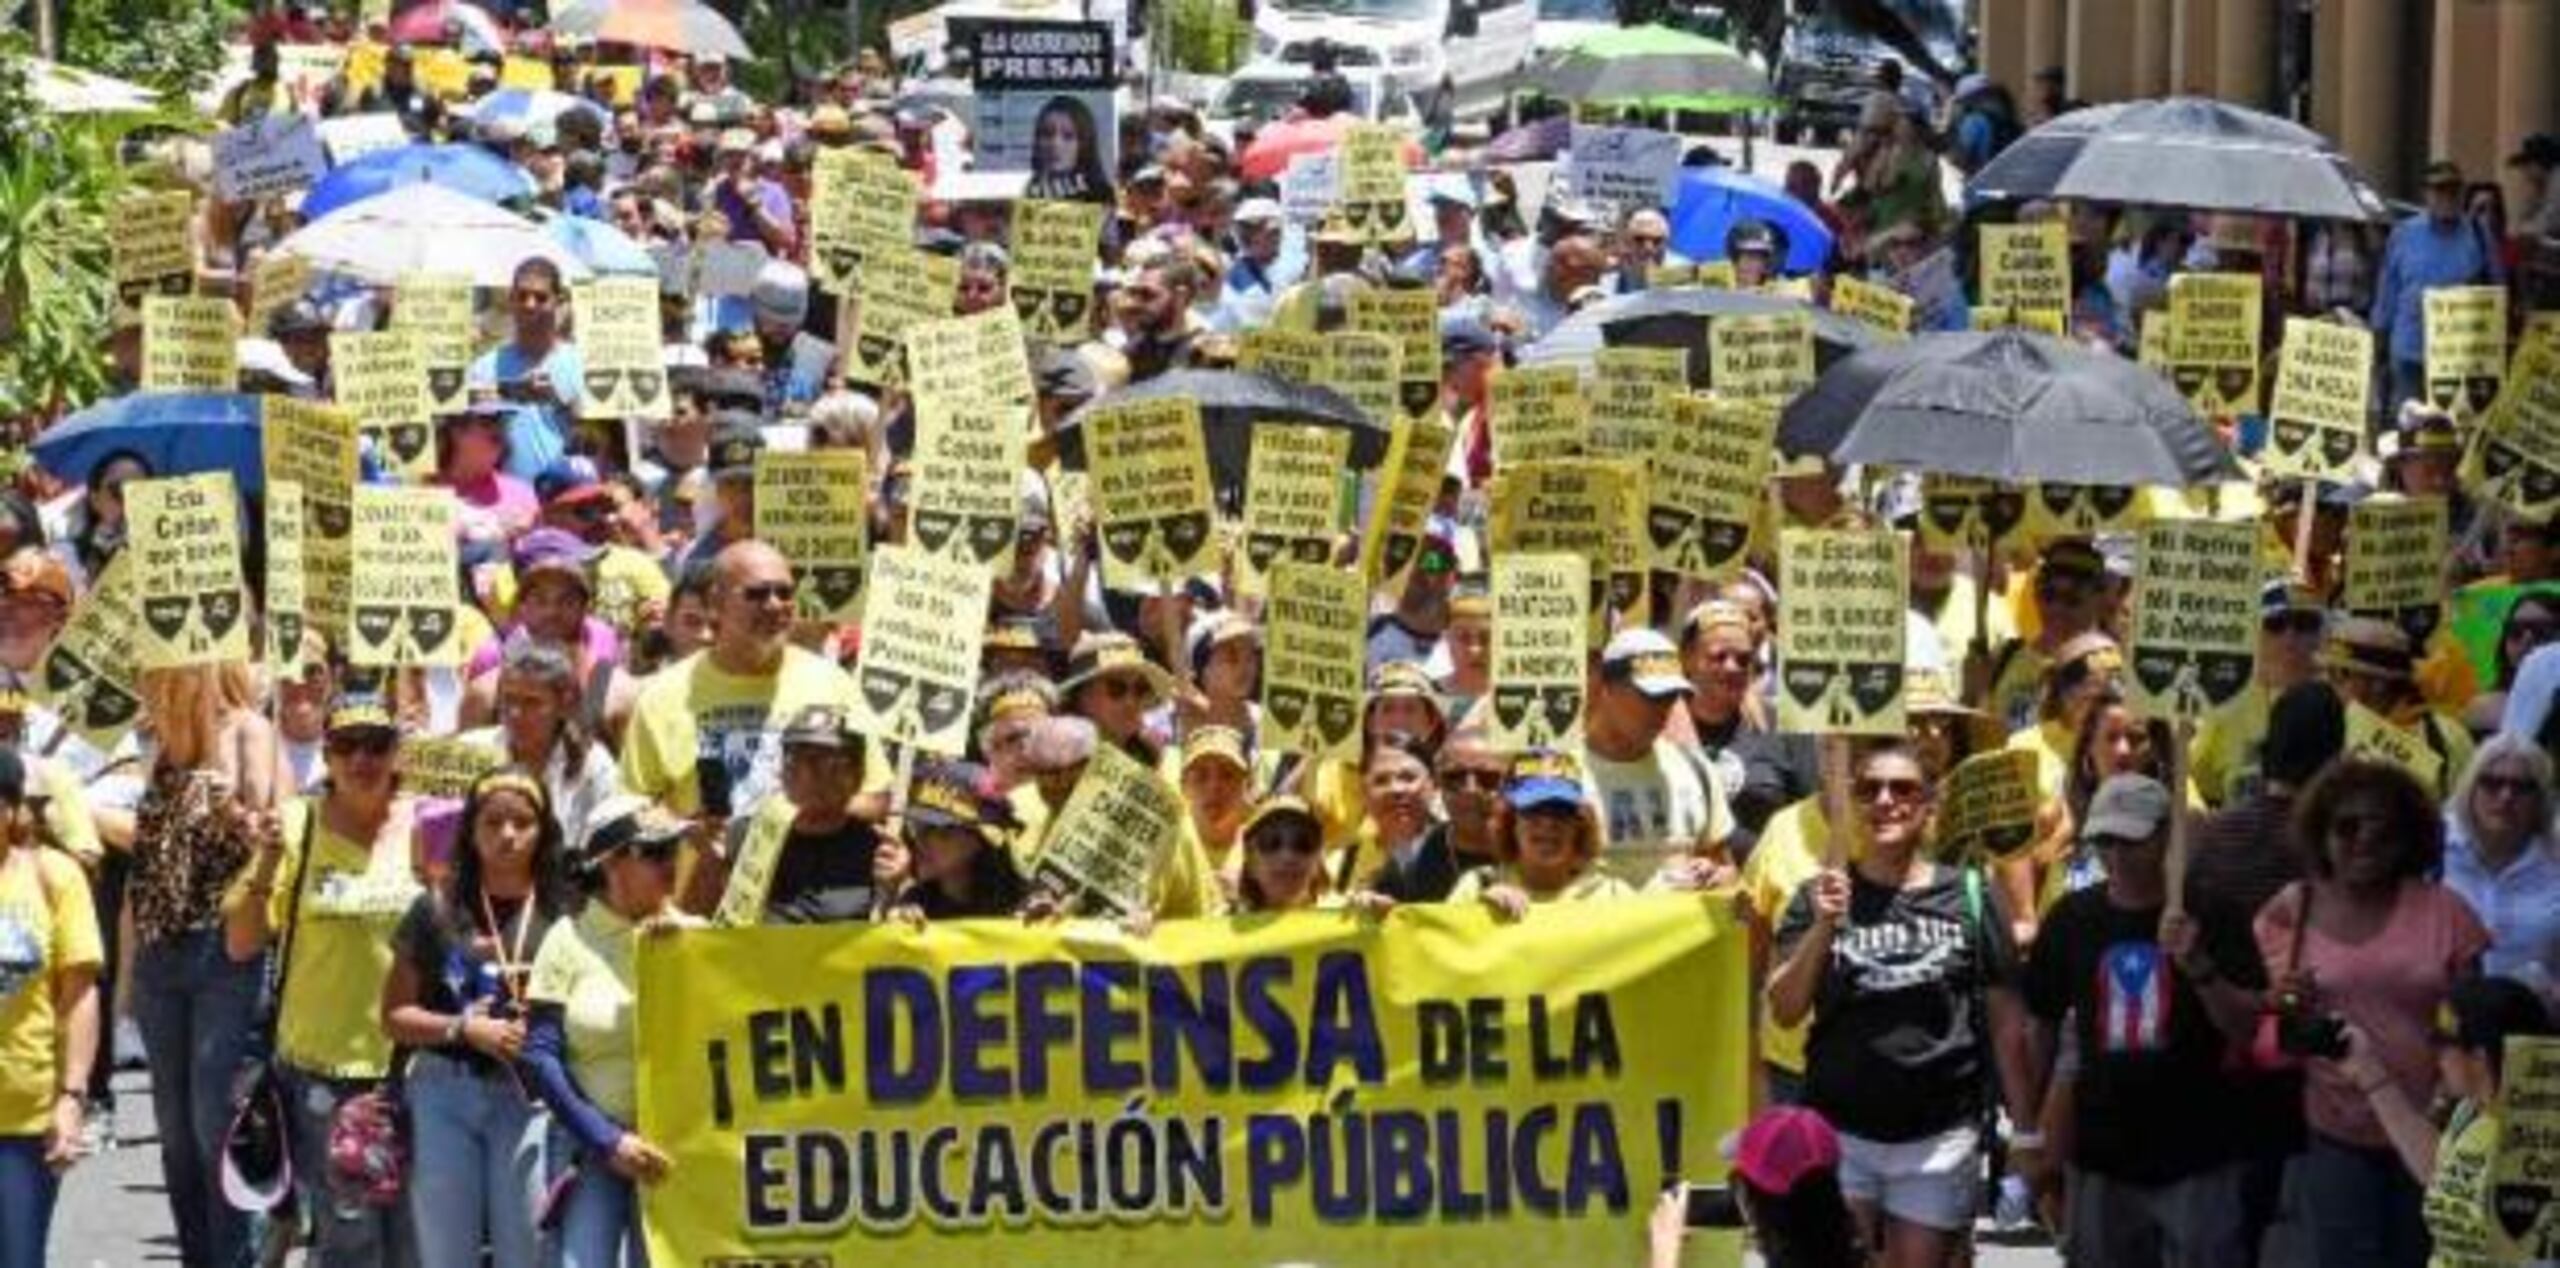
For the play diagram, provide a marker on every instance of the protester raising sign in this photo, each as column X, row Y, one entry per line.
column 1151, row 490
column 2213, row 347
column 268, row 155
column 89, row 674
column 1841, row 618
column 2315, row 427
column 1541, row 627
column 1319, row 619
column 1112, row 839
column 2195, row 617
column 811, row 507
column 923, row 623
column 190, row 345
column 1292, row 499
column 2396, row 552
column 2026, row 274
column 1623, row 169
column 1709, row 467
column 187, row 576
column 406, row 565
column 2466, row 333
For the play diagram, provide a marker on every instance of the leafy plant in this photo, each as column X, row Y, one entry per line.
column 175, row 46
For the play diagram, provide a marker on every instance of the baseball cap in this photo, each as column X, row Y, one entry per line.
column 2073, row 557
column 1543, row 777
column 957, row 795
column 553, row 550
column 2127, row 808
column 1258, row 211
column 736, row 437
column 2441, row 173
column 1782, row 1146
column 821, row 726
column 1464, row 335
column 781, row 293
column 569, row 479
column 1642, row 658
column 1223, row 743
column 1284, row 806
column 624, row 822
column 359, row 712
column 2372, row 646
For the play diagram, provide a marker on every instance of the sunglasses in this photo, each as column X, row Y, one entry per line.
column 770, row 592
column 1436, row 563
column 1894, row 790
column 370, row 744
column 1473, row 778
column 2506, row 785
column 1121, row 688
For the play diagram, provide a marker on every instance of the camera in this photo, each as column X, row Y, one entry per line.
column 2303, row 1033
column 1713, row 1206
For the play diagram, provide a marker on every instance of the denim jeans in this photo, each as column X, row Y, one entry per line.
column 2360, row 1206
column 194, row 1007
column 600, row 1225
column 343, row 1233
column 477, row 1141
column 27, row 1189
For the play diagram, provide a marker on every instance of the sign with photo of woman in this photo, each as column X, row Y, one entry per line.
column 1044, row 98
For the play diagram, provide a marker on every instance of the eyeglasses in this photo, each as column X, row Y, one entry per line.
column 1647, row 239
column 1472, row 778
column 770, row 592
column 1894, row 790
column 2506, row 785
column 1434, row 563
column 656, row 851
column 369, row 744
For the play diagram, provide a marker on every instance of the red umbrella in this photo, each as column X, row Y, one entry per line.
column 442, row 21
column 1285, row 139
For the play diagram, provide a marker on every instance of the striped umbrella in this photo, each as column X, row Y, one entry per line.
column 677, row 26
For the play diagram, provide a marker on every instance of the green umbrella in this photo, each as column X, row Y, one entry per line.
column 1654, row 67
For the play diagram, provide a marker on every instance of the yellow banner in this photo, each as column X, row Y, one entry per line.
column 88, row 675
column 1841, row 600
column 1150, row 463
column 382, row 377
column 2396, row 554
column 977, row 357
column 1632, row 390
column 278, row 280
column 407, row 578
column 1764, row 359
column 1372, row 195
column 1318, row 619
column 1989, row 807
column 186, row 549
column 1964, row 513
column 2213, row 342
column 1412, row 317
column 2373, row 737
column 618, row 331
column 2195, row 617
column 1365, row 369
column 1292, row 495
column 1709, row 468
column 860, row 203
column 896, row 289
column 1317, row 1088
column 1541, row 634
column 524, row 72
column 436, row 309
column 2519, row 1198
column 1537, row 414
column 967, row 495
column 152, row 249
column 2466, row 331
column 1408, row 484
column 284, row 577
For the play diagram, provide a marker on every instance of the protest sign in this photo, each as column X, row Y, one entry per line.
column 1292, row 498
column 530, row 73
column 1881, row 308
column 1364, row 368
column 1373, row 182
column 1623, row 169
column 2026, row 272
column 810, row 506
column 1053, row 257
column 381, row 376
column 2396, row 558
column 272, row 154
column 190, row 344
column 1408, row 484
column 351, row 137
column 1411, row 316
column 977, row 357
column 1704, row 487
column 1316, row 644
column 2466, row 334
column 435, row 309
column 445, row 766
column 1308, row 187
column 1765, row 359
column 924, row 620
column 2316, row 424
column 2523, row 1185
column 88, row 675
column 860, row 202
column 2213, row 351
column 967, row 494
column 1715, row 275
column 2514, row 459
column 620, row 335
column 283, row 583
column 1112, row 838
column 2081, row 510
column 1632, row 390
column 1541, row 658
column 278, row 280
column 1537, row 414
column 1297, row 355
column 1964, row 513
column 187, row 577
column 2152, row 346
column 1988, row 810
column 1035, row 85
column 2375, row 738
column 1579, row 507
column 310, row 449
column 897, row 288
column 1150, row 466
column 152, row 249
column 2195, row 617
column 1841, row 599
column 406, row 579
column 1440, row 1086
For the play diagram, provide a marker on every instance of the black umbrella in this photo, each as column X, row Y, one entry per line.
column 1232, row 403
column 2182, row 152
column 1678, row 317
column 2005, row 405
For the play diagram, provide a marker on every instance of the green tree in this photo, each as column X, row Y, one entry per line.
column 172, row 45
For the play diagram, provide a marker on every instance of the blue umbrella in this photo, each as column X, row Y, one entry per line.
column 600, row 246
column 532, row 106
column 173, row 433
column 1711, row 199
column 464, row 169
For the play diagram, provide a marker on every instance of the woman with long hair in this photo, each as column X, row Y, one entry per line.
column 1066, row 153
column 2500, row 857
column 953, row 862
column 2114, row 740
column 455, row 1001
column 49, row 958
column 2533, row 621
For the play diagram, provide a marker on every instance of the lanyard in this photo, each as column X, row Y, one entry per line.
column 511, row 961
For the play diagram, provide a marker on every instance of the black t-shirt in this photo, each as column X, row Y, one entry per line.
column 457, row 961
column 1896, row 1051
column 823, row 878
column 2150, row 1103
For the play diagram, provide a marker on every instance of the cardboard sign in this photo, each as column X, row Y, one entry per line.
column 1765, row 359
column 2466, row 332
column 382, row 378
column 1574, row 507
column 310, row 449
column 187, row 578
column 1151, row 492
column 860, row 202
column 1317, row 641
column 1111, row 838
column 1295, row 355
column 2373, row 737
column 966, row 498
column 1988, row 810
column 1705, row 485
column 269, row 155
column 810, row 506
column 1624, row 169
column 2523, row 1184
column 1963, row 513
column 283, row 582
column 435, row 309
column 1632, row 390
column 528, row 73
column 88, row 675
column 1028, row 78
column 278, row 280
column 1537, row 414
column 618, row 331
column 2026, row 274
column 2213, row 350
column 407, row 577
column 444, row 766
column 1541, row 657
column 152, row 249
column 1364, row 369
column 2514, row 459
column 2316, row 424
column 1373, row 175
column 1055, row 247
column 2195, row 617
column 1408, row 483
column 924, row 620
column 1412, row 317
column 1881, row 308
column 351, row 137
column 1716, row 275
column 1309, row 186
column 897, row 288
column 190, row 344
column 977, row 357
column 1841, row 603
column 1292, row 498
column 2396, row 553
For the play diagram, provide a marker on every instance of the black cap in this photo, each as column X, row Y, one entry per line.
column 736, row 438
column 2481, row 1014
column 2306, row 730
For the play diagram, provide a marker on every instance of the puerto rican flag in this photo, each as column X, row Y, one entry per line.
column 2133, row 998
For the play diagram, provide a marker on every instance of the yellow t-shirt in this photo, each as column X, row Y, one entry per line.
column 626, row 580
column 47, row 926
column 351, row 904
column 2457, row 1200
column 694, row 710
column 2223, row 759
column 2051, row 742
column 585, row 967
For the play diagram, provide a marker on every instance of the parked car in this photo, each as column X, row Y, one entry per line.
column 1458, row 59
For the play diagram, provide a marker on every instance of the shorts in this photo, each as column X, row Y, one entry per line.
column 1935, row 1181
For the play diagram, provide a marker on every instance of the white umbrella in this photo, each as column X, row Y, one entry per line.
column 61, row 89
column 427, row 228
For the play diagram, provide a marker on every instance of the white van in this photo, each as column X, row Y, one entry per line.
column 1459, row 58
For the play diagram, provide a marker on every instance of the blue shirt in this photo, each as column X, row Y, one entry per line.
column 2424, row 254
column 537, row 435
column 2519, row 905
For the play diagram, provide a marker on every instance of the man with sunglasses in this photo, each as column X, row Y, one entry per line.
column 1411, row 631
column 2070, row 598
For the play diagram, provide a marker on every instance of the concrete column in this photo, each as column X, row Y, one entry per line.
column 2191, row 32
column 2244, row 53
column 2098, row 50
column 2047, row 23
column 2004, row 44
column 2528, row 101
column 2152, row 21
column 2464, row 83
column 2367, row 95
column 2328, row 79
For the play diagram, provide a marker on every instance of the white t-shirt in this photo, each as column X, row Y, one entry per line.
column 1657, row 806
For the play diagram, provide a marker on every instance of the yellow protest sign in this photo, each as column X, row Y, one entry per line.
column 1705, row 485
column 1963, row 513
column 382, row 377
column 1881, row 308
column 983, row 1092
column 152, row 250
column 310, row 448
column 619, row 335
column 1363, row 367
column 525, row 72
column 187, row 578
column 2466, row 333
column 1841, row 600
column 278, row 280
column 2004, row 317
column 1408, row 483
column 967, row 491
column 2213, row 353
column 2195, row 617
column 1150, row 463
column 190, row 344
column 2081, row 510
column 2158, row 337
column 2316, row 424
column 1113, row 836
column 445, row 766
column 2396, row 554
column 1667, row 275
column 1055, row 247
column 443, row 72
column 1317, row 625
column 1295, row 355
column 1372, row 193
column 435, row 308
column 1541, row 641
column 2514, row 459
column 977, row 357
column 621, row 84
column 924, row 620
column 896, row 289
column 88, row 675
column 1573, row 506
column 1292, row 497
column 1988, row 810
column 284, row 581
column 2520, row 1196
column 1632, row 390
column 1537, row 414
column 406, row 579
column 1410, row 315
column 2373, row 737
column 860, row 203
column 1764, row 359
column 810, row 506
column 2026, row 269
column 1717, row 275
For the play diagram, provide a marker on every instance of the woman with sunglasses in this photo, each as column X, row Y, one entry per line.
column 329, row 885
column 2532, row 622
column 2500, row 857
column 578, row 1045
column 1907, row 973
column 1282, row 868
column 2365, row 938
column 952, row 863
column 455, row 1001
column 1546, row 838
